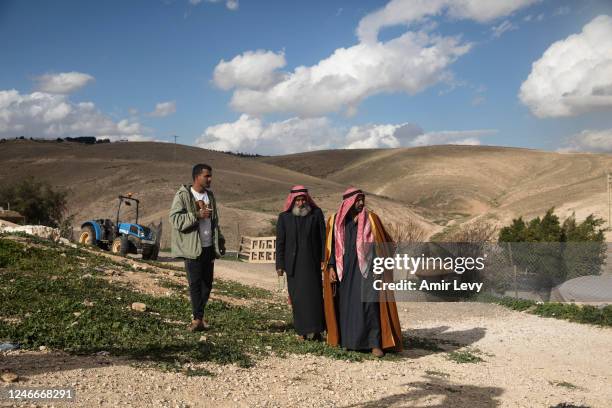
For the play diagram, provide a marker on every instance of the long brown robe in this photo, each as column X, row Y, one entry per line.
column 391, row 332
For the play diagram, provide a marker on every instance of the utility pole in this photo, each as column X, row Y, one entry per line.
column 175, row 137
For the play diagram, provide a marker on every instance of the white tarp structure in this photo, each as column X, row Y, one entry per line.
column 36, row 230
column 588, row 289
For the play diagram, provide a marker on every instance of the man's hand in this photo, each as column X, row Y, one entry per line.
column 280, row 272
column 333, row 277
column 204, row 212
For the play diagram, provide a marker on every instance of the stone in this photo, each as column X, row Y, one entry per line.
column 139, row 307
column 9, row 377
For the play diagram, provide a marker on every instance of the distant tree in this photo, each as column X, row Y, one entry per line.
column 555, row 251
column 37, row 201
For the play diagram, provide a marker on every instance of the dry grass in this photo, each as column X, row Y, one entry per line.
column 409, row 231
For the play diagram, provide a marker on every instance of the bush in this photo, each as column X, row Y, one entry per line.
column 37, row 201
column 409, row 231
column 557, row 256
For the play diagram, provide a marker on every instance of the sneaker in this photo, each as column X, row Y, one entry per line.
column 377, row 352
column 196, row 326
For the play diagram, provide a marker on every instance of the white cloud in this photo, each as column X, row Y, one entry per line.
column 252, row 69
column 596, row 141
column 62, row 83
column 46, row 115
column 251, row 134
column 501, row 28
column 410, row 135
column 230, row 4
column 163, row 109
column 408, row 12
column 574, row 75
column 409, row 63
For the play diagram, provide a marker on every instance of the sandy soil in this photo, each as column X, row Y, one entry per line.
column 528, row 362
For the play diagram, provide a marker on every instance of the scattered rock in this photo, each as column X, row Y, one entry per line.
column 43, row 348
column 8, row 346
column 139, row 307
column 88, row 303
column 9, row 377
column 77, row 314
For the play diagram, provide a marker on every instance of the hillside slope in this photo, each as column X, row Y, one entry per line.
column 250, row 192
column 445, row 183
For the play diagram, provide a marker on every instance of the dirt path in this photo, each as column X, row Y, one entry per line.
column 528, row 361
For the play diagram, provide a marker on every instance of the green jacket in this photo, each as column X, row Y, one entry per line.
column 186, row 241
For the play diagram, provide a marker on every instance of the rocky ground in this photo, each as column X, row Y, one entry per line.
column 525, row 361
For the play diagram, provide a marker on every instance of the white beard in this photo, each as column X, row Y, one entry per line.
column 301, row 212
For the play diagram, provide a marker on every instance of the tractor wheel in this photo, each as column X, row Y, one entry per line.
column 116, row 246
column 88, row 236
column 150, row 252
column 155, row 253
column 120, row 246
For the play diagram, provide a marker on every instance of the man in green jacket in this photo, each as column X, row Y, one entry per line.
column 197, row 239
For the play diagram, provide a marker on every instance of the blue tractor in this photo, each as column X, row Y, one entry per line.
column 119, row 237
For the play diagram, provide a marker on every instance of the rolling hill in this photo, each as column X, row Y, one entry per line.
column 250, row 192
column 448, row 184
column 436, row 186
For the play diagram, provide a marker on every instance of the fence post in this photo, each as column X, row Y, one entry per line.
column 514, row 272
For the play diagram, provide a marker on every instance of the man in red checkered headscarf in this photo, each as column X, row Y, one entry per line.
column 353, row 323
column 300, row 248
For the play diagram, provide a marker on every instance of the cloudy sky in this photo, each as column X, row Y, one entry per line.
column 274, row 77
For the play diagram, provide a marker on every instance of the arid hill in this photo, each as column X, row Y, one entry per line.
column 250, row 192
column 448, row 184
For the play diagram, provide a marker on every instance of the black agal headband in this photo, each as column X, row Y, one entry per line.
column 352, row 193
column 302, row 190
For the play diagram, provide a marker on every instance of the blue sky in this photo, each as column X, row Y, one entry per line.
column 120, row 59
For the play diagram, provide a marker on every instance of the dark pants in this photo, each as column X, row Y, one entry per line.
column 200, row 278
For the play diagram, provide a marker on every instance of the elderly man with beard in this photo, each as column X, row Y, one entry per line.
column 300, row 246
column 357, row 317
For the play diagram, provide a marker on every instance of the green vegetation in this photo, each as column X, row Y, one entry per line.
column 465, row 356
column 564, row 384
column 429, row 344
column 564, row 251
column 37, row 201
column 57, row 297
column 566, row 311
column 437, row 373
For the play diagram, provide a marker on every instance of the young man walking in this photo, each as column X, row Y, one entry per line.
column 197, row 239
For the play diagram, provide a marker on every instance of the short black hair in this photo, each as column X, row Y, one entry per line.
column 198, row 168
